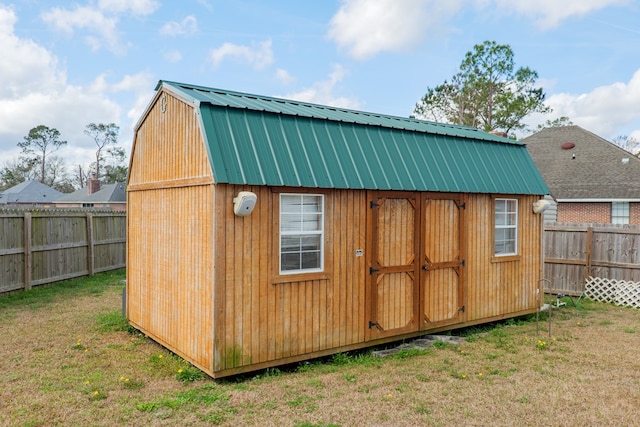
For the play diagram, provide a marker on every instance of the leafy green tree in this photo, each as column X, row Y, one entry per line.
column 15, row 171
column 38, row 145
column 104, row 135
column 23, row 169
column 488, row 92
column 116, row 169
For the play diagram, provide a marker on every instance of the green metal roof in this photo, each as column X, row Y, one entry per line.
column 260, row 140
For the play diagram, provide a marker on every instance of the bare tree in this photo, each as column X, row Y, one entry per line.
column 630, row 144
column 103, row 135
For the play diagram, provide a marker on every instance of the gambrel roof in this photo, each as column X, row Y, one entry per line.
column 588, row 168
column 260, row 140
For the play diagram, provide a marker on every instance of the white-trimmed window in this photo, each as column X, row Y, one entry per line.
column 506, row 227
column 301, row 233
column 619, row 212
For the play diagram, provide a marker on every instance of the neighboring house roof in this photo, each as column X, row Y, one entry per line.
column 600, row 171
column 29, row 192
column 259, row 140
column 108, row 193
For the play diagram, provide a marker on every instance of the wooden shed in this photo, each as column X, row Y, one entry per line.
column 265, row 231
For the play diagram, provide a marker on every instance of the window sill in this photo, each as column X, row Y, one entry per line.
column 299, row 277
column 505, row 258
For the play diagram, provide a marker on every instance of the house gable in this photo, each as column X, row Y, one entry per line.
column 589, row 169
column 168, row 146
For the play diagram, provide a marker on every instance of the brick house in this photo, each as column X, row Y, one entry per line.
column 591, row 179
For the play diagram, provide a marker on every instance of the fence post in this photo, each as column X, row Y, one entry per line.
column 589, row 244
column 28, row 256
column 90, row 248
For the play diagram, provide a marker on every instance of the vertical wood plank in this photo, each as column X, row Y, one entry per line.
column 589, row 246
column 90, row 244
column 28, row 255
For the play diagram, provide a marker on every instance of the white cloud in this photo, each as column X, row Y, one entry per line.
column 25, row 67
column 258, row 55
column 549, row 13
column 186, row 27
column 100, row 23
column 604, row 110
column 284, row 77
column 35, row 91
column 205, row 4
column 323, row 92
column 172, row 56
column 91, row 20
column 134, row 7
column 365, row 28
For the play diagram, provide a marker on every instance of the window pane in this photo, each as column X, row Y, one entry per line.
column 290, row 203
column 310, row 243
column 301, row 232
column 311, row 260
column 501, row 219
column 620, row 212
column 310, row 222
column 290, row 244
column 290, row 261
column 506, row 227
column 290, row 222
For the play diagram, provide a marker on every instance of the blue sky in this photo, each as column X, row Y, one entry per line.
column 67, row 64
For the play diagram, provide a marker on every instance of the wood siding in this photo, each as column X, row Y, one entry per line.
column 499, row 287
column 261, row 316
column 169, row 269
column 170, row 232
column 168, row 149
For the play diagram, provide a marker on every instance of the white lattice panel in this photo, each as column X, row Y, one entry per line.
column 599, row 289
column 628, row 294
column 619, row 292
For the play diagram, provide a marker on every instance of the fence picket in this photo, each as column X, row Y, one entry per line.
column 49, row 245
column 575, row 252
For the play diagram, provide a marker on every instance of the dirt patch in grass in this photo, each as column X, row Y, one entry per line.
column 68, row 358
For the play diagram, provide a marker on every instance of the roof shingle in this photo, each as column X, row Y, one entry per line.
column 593, row 169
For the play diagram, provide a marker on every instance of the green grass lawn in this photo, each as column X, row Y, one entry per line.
column 69, row 358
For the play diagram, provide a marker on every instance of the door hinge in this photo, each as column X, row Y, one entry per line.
column 462, row 262
column 373, row 204
column 461, row 309
column 376, row 324
column 373, row 270
column 463, row 206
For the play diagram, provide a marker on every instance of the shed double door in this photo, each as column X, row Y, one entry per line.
column 416, row 262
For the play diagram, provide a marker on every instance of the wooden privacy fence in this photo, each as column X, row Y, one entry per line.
column 49, row 245
column 575, row 252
